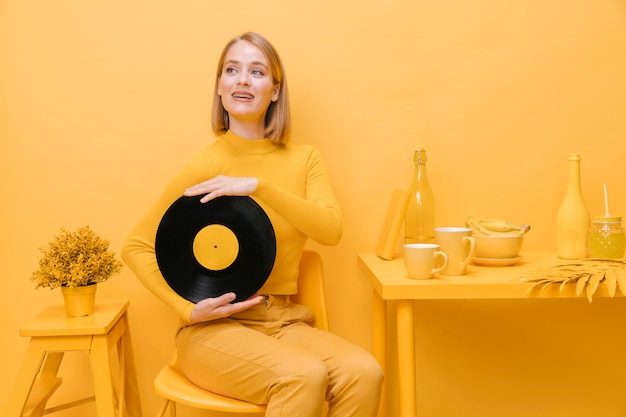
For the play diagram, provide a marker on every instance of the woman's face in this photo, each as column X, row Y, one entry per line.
column 246, row 84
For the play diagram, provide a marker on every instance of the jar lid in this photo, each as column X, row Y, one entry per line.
column 607, row 219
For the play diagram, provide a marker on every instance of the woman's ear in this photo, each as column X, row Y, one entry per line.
column 276, row 91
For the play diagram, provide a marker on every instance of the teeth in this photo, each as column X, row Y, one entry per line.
column 250, row 96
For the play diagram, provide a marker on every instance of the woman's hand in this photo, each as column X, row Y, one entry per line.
column 220, row 307
column 223, row 185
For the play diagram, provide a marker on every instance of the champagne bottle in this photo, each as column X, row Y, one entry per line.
column 419, row 221
column 572, row 220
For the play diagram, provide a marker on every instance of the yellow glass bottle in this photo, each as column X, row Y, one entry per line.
column 419, row 222
column 572, row 220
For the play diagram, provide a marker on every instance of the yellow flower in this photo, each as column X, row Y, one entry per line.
column 75, row 259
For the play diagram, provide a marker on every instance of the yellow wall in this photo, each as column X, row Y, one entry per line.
column 101, row 102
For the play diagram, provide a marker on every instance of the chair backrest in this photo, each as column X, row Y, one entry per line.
column 311, row 291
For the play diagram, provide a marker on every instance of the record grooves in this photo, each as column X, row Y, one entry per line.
column 208, row 249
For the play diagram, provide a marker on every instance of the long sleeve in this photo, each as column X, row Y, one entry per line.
column 139, row 255
column 317, row 215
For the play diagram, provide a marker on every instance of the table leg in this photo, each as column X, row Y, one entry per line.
column 380, row 345
column 406, row 358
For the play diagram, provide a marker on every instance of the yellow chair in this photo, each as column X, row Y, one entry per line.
column 174, row 387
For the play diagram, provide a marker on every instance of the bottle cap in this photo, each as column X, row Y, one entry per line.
column 607, row 219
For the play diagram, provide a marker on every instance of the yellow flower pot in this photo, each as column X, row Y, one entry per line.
column 79, row 301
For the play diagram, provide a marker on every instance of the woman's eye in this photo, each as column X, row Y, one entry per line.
column 257, row 73
column 229, row 70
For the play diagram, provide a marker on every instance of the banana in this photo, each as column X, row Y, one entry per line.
column 476, row 226
column 495, row 226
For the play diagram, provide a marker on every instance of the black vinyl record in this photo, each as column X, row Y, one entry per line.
column 208, row 249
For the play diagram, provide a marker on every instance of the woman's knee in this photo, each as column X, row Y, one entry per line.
column 313, row 372
column 373, row 372
column 309, row 377
column 362, row 371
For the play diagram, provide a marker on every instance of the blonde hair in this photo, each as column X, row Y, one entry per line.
column 277, row 117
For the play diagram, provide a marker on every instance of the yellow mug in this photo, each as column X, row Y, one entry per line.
column 459, row 245
column 423, row 260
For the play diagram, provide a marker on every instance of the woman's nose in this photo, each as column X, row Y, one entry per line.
column 243, row 79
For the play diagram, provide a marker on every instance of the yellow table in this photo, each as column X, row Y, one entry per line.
column 390, row 282
column 51, row 334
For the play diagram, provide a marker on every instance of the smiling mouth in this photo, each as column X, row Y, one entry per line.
column 243, row 96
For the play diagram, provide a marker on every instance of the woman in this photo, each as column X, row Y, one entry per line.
column 263, row 349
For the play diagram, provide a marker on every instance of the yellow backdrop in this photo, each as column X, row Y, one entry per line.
column 102, row 102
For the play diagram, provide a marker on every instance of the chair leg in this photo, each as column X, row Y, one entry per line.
column 163, row 408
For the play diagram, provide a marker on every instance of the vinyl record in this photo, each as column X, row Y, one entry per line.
column 208, row 249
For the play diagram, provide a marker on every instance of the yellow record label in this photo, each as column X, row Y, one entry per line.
column 215, row 247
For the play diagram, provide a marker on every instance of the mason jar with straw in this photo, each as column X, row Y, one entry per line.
column 606, row 239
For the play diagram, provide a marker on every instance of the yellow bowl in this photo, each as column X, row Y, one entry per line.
column 498, row 246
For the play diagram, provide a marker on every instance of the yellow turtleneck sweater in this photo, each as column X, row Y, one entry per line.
column 294, row 190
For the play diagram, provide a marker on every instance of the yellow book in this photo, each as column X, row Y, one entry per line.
column 393, row 223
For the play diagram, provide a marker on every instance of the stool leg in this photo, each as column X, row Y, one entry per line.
column 34, row 360
column 131, row 388
column 45, row 385
column 103, row 385
column 121, row 354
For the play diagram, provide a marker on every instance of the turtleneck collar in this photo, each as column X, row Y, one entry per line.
column 249, row 146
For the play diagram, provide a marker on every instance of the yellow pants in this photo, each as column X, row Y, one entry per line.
column 270, row 355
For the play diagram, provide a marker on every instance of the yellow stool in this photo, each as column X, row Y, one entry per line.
column 51, row 334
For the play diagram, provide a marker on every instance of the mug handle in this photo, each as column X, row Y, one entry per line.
column 444, row 257
column 470, row 253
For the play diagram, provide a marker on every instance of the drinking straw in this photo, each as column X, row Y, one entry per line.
column 606, row 202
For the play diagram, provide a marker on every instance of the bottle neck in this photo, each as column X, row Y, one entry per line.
column 573, row 181
column 419, row 158
column 420, row 170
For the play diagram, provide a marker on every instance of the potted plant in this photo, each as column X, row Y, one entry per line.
column 76, row 262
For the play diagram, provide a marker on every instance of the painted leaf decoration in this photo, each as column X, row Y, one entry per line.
column 592, row 285
column 565, row 282
column 620, row 277
column 587, row 274
column 580, row 284
column 611, row 282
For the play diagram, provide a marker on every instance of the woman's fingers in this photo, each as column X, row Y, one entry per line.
column 221, row 307
column 223, row 185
